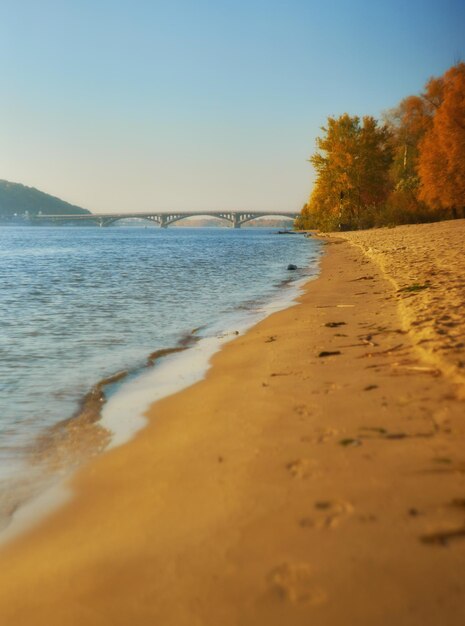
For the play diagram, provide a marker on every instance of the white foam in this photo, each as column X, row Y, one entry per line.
column 36, row 509
column 124, row 414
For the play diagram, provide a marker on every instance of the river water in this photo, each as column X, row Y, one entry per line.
column 78, row 305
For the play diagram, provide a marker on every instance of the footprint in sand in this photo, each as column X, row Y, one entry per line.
column 294, row 583
column 301, row 409
column 443, row 537
column 327, row 514
column 449, row 525
column 323, row 436
column 301, row 468
column 441, row 419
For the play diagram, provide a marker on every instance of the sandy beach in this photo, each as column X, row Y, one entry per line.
column 424, row 263
column 316, row 476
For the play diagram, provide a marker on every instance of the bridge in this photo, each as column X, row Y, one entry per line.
column 164, row 219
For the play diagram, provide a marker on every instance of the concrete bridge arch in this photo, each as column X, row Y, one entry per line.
column 165, row 219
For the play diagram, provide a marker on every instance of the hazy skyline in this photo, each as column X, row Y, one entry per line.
column 118, row 106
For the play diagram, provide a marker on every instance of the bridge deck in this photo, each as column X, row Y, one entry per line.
column 164, row 219
column 170, row 213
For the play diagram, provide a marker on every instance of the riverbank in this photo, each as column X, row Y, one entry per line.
column 315, row 476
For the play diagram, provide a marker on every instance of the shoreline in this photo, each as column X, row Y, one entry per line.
column 316, row 451
column 108, row 418
column 147, row 291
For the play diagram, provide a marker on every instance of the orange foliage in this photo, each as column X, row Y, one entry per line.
column 441, row 162
column 407, row 123
column 410, row 170
column 352, row 164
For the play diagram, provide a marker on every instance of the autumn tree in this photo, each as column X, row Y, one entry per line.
column 411, row 169
column 441, row 160
column 407, row 124
column 352, row 166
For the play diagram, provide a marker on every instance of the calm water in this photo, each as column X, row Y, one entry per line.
column 79, row 304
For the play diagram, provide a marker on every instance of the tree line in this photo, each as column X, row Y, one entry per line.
column 408, row 168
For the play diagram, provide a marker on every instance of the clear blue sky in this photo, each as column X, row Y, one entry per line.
column 194, row 104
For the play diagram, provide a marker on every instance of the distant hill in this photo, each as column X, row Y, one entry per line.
column 22, row 201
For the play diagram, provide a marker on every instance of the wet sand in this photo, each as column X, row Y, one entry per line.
column 316, row 476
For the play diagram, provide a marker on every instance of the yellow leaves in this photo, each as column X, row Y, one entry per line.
column 353, row 159
column 391, row 171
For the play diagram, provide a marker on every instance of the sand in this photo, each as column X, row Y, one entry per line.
column 291, row 486
column 426, row 264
